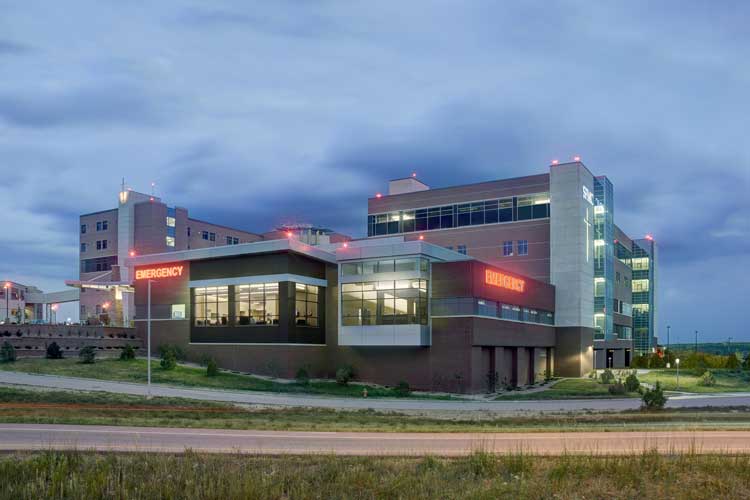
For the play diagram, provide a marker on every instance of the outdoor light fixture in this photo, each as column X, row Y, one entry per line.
column 576, row 158
column 346, row 245
column 132, row 253
column 649, row 237
column 555, row 162
column 413, row 174
column 421, row 236
column 378, row 195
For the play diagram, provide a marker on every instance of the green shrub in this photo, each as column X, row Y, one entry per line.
column 344, row 375
column 177, row 351
column 632, row 384
column 607, row 377
column 7, row 352
column 128, row 353
column 302, row 377
column 746, row 362
column 617, row 389
column 212, row 369
column 654, row 399
column 732, row 362
column 707, row 379
column 402, row 389
column 168, row 359
column 87, row 354
column 54, row 351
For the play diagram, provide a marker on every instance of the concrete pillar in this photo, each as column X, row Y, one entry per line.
column 619, row 358
column 522, row 368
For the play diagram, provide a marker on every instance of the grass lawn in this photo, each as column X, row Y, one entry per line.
column 726, row 381
column 644, row 475
column 99, row 408
column 135, row 371
column 572, row 388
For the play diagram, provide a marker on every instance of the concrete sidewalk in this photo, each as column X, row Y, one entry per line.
column 383, row 404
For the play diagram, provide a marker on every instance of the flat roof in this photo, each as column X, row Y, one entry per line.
column 256, row 247
column 432, row 189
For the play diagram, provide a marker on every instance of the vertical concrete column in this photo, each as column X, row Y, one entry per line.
column 619, row 358
column 522, row 366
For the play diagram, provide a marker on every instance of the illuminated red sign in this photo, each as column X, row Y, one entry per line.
column 501, row 280
column 159, row 272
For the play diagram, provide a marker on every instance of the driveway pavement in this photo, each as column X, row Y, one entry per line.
column 390, row 404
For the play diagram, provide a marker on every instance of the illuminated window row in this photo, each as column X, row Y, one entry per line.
column 470, row 306
column 517, row 208
column 255, row 304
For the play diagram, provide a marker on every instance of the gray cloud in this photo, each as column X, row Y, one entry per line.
column 256, row 115
column 94, row 105
column 13, row 48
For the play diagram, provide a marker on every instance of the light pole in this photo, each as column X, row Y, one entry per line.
column 6, row 286
column 148, row 341
column 668, row 345
column 677, row 362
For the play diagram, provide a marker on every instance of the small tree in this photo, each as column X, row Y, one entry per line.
column 54, row 351
column 708, row 379
column 344, row 375
column 732, row 362
column 617, row 389
column 607, row 377
column 128, row 353
column 302, row 377
column 746, row 362
column 87, row 355
column 212, row 369
column 7, row 352
column 492, row 380
column 168, row 359
column 403, row 389
column 654, row 399
column 632, row 384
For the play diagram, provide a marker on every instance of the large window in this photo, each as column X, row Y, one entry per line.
column 507, row 248
column 257, row 304
column 384, row 266
column 390, row 302
column 471, row 306
column 640, row 285
column 475, row 213
column 306, row 304
column 523, row 247
column 211, row 306
column 98, row 264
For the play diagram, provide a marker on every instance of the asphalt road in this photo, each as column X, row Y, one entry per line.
column 302, row 400
column 146, row 439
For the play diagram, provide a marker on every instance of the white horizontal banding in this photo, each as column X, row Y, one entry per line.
column 266, row 278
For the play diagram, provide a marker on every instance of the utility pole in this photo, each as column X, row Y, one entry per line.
column 696, row 341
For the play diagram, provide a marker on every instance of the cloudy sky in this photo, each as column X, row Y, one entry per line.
column 253, row 113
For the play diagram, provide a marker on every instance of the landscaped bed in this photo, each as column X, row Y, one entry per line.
column 135, row 370
column 572, row 388
column 690, row 381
